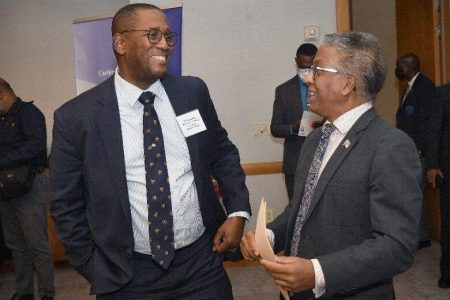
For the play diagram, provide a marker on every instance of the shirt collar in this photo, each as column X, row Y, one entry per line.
column 132, row 93
column 348, row 119
column 411, row 82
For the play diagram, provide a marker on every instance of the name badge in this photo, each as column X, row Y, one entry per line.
column 191, row 123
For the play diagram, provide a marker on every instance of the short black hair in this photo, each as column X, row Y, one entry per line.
column 126, row 14
column 307, row 49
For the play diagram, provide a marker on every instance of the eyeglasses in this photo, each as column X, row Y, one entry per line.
column 155, row 35
column 314, row 70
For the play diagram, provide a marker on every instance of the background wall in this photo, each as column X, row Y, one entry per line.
column 242, row 49
column 368, row 15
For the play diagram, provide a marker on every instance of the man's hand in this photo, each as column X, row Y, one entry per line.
column 228, row 235
column 432, row 175
column 248, row 246
column 292, row 273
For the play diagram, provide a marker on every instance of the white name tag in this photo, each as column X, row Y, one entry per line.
column 191, row 123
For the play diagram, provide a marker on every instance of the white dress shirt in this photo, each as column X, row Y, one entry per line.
column 187, row 218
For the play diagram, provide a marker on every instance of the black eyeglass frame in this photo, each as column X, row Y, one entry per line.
column 171, row 37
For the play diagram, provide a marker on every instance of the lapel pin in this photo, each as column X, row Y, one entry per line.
column 346, row 144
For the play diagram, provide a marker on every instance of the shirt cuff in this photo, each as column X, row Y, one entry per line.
column 319, row 287
column 270, row 237
column 243, row 214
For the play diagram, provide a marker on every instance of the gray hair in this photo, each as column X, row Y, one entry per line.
column 363, row 58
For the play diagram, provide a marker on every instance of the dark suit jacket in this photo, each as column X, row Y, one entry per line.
column 90, row 203
column 438, row 154
column 416, row 112
column 287, row 108
column 363, row 221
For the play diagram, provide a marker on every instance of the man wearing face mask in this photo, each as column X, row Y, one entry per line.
column 288, row 107
column 415, row 113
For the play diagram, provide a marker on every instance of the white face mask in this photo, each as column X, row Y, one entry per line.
column 302, row 73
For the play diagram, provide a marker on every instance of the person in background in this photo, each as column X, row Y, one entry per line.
column 414, row 116
column 290, row 101
column 23, row 140
column 353, row 222
column 131, row 166
column 438, row 173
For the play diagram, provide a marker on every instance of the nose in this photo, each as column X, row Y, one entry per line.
column 163, row 43
column 309, row 78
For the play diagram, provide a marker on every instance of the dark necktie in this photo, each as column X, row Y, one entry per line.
column 160, row 219
column 310, row 185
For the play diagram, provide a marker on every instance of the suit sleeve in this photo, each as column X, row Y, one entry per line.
column 68, row 202
column 279, row 126
column 395, row 202
column 435, row 132
column 225, row 164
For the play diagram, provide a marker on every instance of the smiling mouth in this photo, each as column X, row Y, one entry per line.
column 160, row 58
column 311, row 93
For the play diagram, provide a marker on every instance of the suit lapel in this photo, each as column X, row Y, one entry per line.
column 108, row 121
column 348, row 143
column 182, row 105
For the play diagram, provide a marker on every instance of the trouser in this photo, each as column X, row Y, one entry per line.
column 445, row 230
column 24, row 221
column 196, row 273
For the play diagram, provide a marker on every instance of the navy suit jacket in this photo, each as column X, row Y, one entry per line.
column 363, row 221
column 90, row 203
column 287, row 108
column 438, row 154
column 416, row 112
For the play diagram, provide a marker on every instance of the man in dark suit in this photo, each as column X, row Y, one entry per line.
column 290, row 102
column 353, row 221
column 136, row 223
column 414, row 115
column 438, row 173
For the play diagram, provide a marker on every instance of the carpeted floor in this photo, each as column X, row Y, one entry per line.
column 252, row 282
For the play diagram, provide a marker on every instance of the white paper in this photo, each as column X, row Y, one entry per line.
column 191, row 123
column 262, row 242
column 308, row 119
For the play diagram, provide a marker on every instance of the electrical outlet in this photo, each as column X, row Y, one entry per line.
column 269, row 215
column 261, row 129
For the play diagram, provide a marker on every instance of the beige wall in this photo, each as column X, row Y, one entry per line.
column 378, row 17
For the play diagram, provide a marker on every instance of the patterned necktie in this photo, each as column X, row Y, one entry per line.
column 310, row 185
column 160, row 220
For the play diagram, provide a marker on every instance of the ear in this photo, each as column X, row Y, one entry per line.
column 119, row 43
column 349, row 86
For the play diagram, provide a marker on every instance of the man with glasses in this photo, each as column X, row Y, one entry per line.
column 353, row 221
column 290, row 103
column 131, row 166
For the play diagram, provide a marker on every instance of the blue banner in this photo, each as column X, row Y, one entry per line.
column 94, row 57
